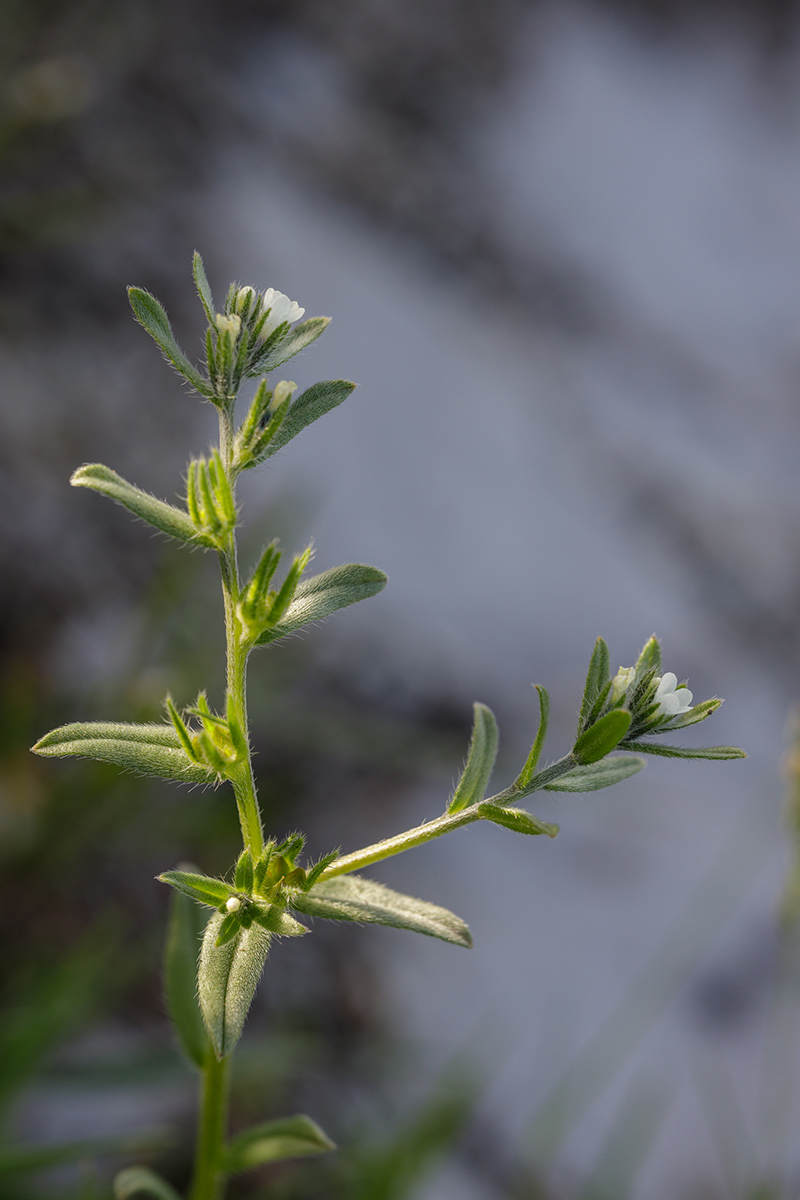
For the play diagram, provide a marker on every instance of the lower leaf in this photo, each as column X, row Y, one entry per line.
column 290, row 1137
column 141, row 1181
column 227, row 979
column 351, row 898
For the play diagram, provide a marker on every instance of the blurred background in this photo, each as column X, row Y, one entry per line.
column 561, row 246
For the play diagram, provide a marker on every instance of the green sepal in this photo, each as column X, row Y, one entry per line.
column 203, row 290
column 352, row 898
column 243, row 876
column 141, row 1181
column 289, row 1137
column 262, row 866
column 277, row 921
column 597, row 775
column 475, row 777
column 516, row 819
column 528, row 771
column 692, row 717
column 227, row 980
column 202, row 888
column 319, row 596
column 596, row 679
column 712, row 752
column 174, row 522
column 649, row 659
column 230, row 927
column 315, row 870
column 601, row 738
column 151, row 316
column 146, row 749
column 290, row 344
column 182, row 946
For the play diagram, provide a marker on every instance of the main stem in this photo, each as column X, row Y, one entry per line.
column 209, row 1176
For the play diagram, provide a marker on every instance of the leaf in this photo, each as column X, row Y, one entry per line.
column 527, row 772
column 151, row 316
column 134, row 1181
column 351, row 898
column 597, row 775
column 312, row 404
column 147, row 749
column 203, row 290
column 480, row 761
column 175, row 522
column 292, row 343
column 243, row 876
column 596, row 679
column 516, row 819
column 290, row 1137
column 319, row 596
column 601, row 738
column 227, row 980
column 712, row 752
column 698, row 713
column 650, row 658
column 180, row 976
column 277, row 921
column 203, row 888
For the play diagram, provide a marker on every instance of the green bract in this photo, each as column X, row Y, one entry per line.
column 208, row 999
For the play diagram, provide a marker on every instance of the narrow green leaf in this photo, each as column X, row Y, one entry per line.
column 151, row 316
column 182, row 947
column 202, row 888
column 480, row 761
column 650, row 658
column 141, row 1181
column 601, row 738
column 146, row 749
column 596, row 679
column 712, row 752
column 314, row 403
column 227, row 980
column 698, row 713
column 243, row 876
column 319, row 596
column 516, row 819
column 597, row 775
column 289, row 1137
column 352, row 898
column 230, row 927
column 175, row 522
column 527, row 772
column 292, row 343
column 203, row 290
column 277, row 921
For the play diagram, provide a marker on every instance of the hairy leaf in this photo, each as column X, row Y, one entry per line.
column 319, row 596
column 202, row 888
column 150, row 314
column 147, row 749
column 527, row 772
column 698, row 713
column 713, row 752
column 227, row 979
column 203, row 290
column 597, row 775
column 601, row 738
column 596, row 679
column 312, row 404
column 292, row 343
column 289, row 1137
column 181, row 949
column 352, row 898
column 175, row 522
column 141, row 1181
column 516, row 819
column 480, row 761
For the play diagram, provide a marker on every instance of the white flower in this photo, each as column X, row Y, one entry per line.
column 230, row 325
column 281, row 309
column 233, row 904
column 672, row 700
column 621, row 682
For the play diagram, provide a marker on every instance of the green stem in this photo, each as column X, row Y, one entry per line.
column 208, row 1174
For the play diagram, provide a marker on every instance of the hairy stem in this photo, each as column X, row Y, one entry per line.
column 208, row 1175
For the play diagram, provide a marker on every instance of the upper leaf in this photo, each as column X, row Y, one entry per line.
column 527, row 772
column 516, row 819
column 148, row 749
column 227, row 979
column 175, row 522
column 713, row 752
column 597, row 677
column 352, row 898
column 601, row 737
column 480, row 761
column 289, row 1137
column 202, row 888
column 151, row 316
column 597, row 775
column 319, row 596
column 317, row 400
column 203, row 290
column 292, row 343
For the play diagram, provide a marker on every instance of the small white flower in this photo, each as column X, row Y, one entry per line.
column 230, row 325
column 621, row 682
column 672, row 700
column 233, row 904
column 243, row 299
column 281, row 309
